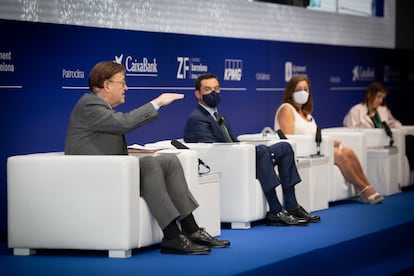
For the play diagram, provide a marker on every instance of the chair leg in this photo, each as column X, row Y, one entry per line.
column 240, row 225
column 23, row 251
column 119, row 253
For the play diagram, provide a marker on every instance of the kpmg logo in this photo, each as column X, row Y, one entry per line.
column 233, row 69
column 134, row 65
column 361, row 73
column 190, row 67
column 293, row 69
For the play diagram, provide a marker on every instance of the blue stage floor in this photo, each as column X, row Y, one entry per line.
column 352, row 239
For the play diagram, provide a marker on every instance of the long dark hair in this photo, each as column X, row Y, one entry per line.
column 372, row 90
column 290, row 87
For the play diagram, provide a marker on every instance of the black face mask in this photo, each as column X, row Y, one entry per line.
column 212, row 99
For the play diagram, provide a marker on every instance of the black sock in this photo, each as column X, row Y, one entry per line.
column 171, row 231
column 189, row 225
column 290, row 198
column 274, row 204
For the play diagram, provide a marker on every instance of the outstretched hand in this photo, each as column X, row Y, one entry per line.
column 167, row 98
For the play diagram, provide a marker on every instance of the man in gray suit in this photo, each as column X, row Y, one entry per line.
column 95, row 128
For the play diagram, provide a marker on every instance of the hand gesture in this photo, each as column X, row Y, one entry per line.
column 167, row 98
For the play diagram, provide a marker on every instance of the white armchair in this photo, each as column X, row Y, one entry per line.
column 241, row 198
column 326, row 183
column 313, row 191
column 386, row 168
column 58, row 201
column 342, row 189
column 408, row 175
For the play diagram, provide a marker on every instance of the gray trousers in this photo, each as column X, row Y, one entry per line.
column 164, row 188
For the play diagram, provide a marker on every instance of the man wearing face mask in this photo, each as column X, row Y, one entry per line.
column 206, row 125
column 294, row 117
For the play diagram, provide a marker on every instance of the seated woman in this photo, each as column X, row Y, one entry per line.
column 294, row 117
column 372, row 112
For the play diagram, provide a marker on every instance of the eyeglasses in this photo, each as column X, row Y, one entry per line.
column 123, row 83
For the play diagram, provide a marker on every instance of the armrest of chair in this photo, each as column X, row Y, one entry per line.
column 263, row 139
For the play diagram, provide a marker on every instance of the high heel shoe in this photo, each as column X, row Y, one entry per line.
column 372, row 199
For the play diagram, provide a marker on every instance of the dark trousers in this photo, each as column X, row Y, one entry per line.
column 281, row 155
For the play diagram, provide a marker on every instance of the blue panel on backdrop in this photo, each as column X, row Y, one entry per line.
column 44, row 70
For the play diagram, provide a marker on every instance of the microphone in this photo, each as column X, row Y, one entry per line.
column 220, row 120
column 180, row 145
column 281, row 135
column 267, row 130
column 318, row 140
column 388, row 132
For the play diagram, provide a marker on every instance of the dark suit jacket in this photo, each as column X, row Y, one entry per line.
column 96, row 129
column 202, row 127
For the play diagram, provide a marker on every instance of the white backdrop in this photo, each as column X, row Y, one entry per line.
column 222, row 18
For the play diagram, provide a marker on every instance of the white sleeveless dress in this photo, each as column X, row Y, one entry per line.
column 302, row 126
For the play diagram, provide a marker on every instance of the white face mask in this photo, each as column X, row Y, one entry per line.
column 301, row 97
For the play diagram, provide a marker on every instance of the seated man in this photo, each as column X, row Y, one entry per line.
column 206, row 125
column 95, row 128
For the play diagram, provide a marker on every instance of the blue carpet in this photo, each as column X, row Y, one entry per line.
column 351, row 239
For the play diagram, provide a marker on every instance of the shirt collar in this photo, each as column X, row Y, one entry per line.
column 209, row 109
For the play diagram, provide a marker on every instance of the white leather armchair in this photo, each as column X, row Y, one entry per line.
column 342, row 189
column 326, row 183
column 313, row 191
column 241, row 197
column 58, row 201
column 408, row 175
column 386, row 168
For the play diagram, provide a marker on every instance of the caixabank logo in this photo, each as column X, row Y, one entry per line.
column 292, row 69
column 138, row 67
column 233, row 69
column 363, row 73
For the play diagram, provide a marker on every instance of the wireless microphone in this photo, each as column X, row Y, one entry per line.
column 281, row 134
column 318, row 140
column 388, row 132
column 180, row 145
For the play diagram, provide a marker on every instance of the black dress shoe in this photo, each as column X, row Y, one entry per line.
column 202, row 237
column 182, row 245
column 283, row 218
column 301, row 213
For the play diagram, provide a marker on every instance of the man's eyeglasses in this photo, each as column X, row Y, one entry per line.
column 123, row 83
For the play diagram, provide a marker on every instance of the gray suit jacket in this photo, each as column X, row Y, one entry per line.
column 96, row 129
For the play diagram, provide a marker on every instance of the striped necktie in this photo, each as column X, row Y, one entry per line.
column 220, row 121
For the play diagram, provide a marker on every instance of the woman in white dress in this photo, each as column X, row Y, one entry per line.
column 294, row 117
